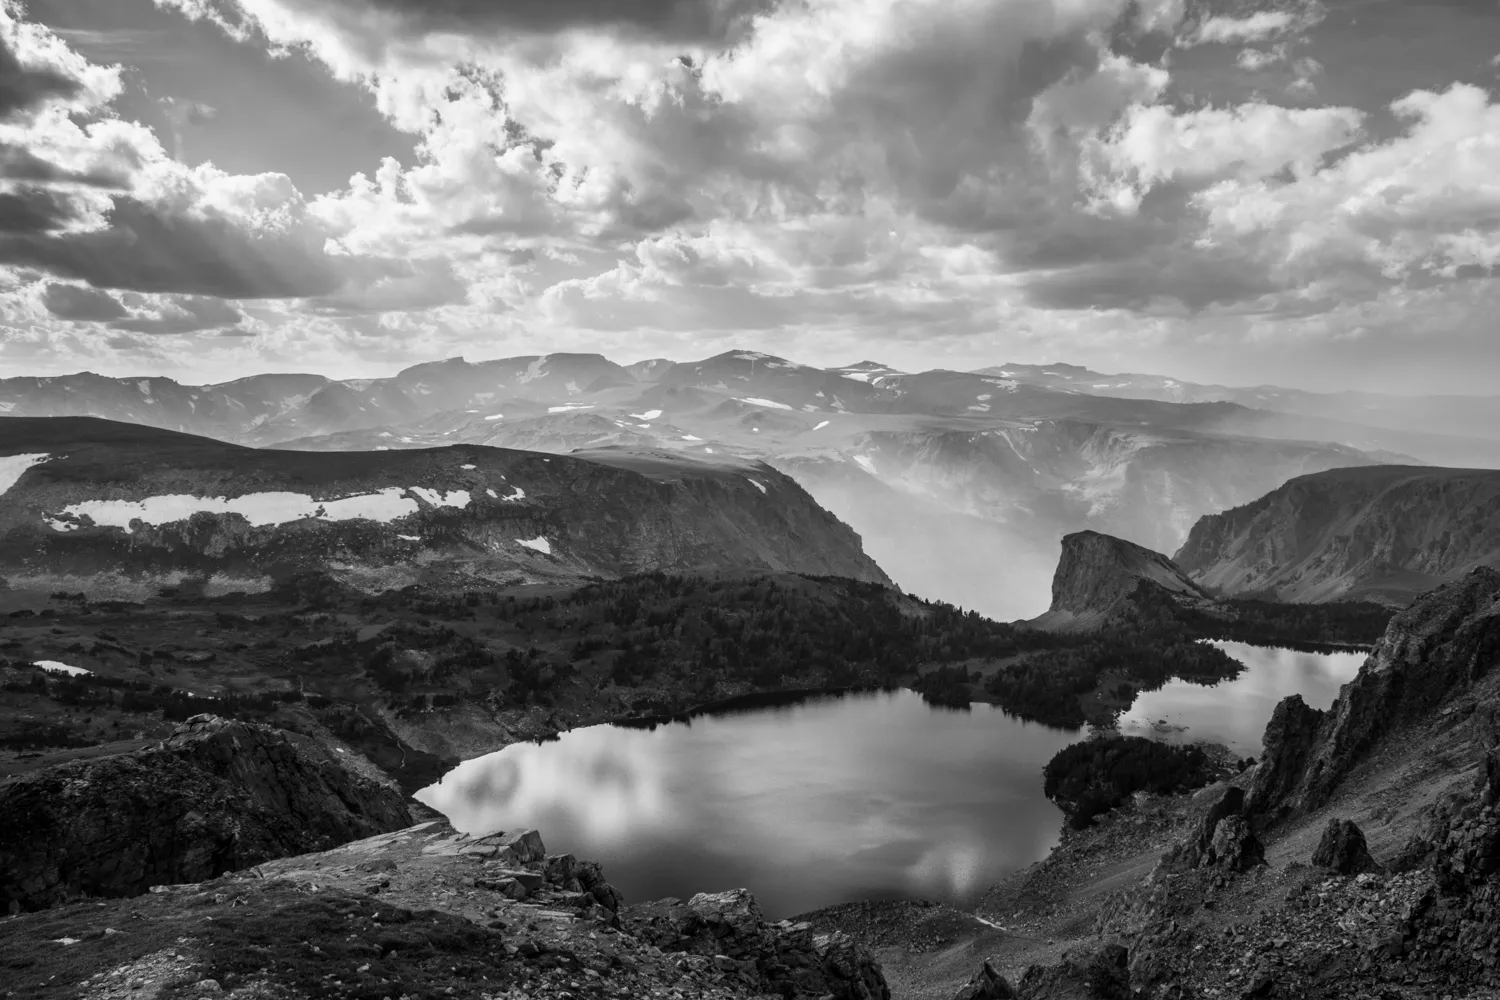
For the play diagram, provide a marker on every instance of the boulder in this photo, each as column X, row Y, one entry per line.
column 1343, row 849
column 986, row 984
column 215, row 797
column 1235, row 846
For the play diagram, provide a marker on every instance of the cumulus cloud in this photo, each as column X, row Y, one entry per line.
column 182, row 314
column 1420, row 206
column 590, row 172
column 81, row 304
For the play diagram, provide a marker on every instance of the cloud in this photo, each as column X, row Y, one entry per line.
column 146, row 248
column 183, row 314
column 28, row 211
column 17, row 163
column 24, row 87
column 1420, row 207
column 81, row 304
column 1153, row 144
column 1257, row 27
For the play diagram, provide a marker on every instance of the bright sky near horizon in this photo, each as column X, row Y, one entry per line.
column 1231, row 191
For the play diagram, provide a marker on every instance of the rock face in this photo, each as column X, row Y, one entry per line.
column 1384, row 533
column 215, row 797
column 1098, row 573
column 111, row 509
column 1224, row 838
column 1343, row 849
column 1443, row 644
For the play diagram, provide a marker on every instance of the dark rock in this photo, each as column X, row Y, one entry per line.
column 1223, row 838
column 1343, row 849
column 1441, row 645
column 786, row 956
column 217, row 796
column 1101, row 974
column 1235, row 846
column 986, row 984
column 1289, row 740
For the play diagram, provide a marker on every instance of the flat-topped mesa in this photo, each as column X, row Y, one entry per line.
column 1438, row 651
column 1097, row 574
column 118, row 510
column 1382, row 533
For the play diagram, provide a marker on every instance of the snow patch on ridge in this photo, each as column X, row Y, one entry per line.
column 57, row 667
column 260, row 509
column 757, row 401
column 537, row 544
column 648, row 415
column 12, row 467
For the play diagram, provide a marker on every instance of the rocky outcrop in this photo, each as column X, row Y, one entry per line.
column 986, row 984
column 1097, row 574
column 1385, row 533
column 1223, row 838
column 113, row 510
column 215, row 797
column 560, row 907
column 1288, row 744
column 1342, row 849
column 785, row 958
column 1442, row 645
column 1083, row 974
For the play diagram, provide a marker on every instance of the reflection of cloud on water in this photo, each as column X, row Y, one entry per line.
column 606, row 783
column 1236, row 712
column 806, row 805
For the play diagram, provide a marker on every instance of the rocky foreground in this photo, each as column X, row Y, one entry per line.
column 426, row 912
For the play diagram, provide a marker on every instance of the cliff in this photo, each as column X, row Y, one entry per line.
column 217, row 796
column 1441, row 647
column 115, row 510
column 1097, row 574
column 1384, row 533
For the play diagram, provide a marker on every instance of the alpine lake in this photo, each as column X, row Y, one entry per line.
column 838, row 798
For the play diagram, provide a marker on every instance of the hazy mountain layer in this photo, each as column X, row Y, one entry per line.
column 1386, row 533
column 98, row 506
column 961, row 483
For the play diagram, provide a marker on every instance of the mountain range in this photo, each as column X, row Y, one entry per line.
column 961, row 484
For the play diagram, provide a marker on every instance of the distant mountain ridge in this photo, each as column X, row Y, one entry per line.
column 106, row 507
column 1382, row 533
column 987, row 470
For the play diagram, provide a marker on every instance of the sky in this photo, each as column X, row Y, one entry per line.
column 1237, row 191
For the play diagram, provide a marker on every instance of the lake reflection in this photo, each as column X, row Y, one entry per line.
column 1235, row 712
column 864, row 796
